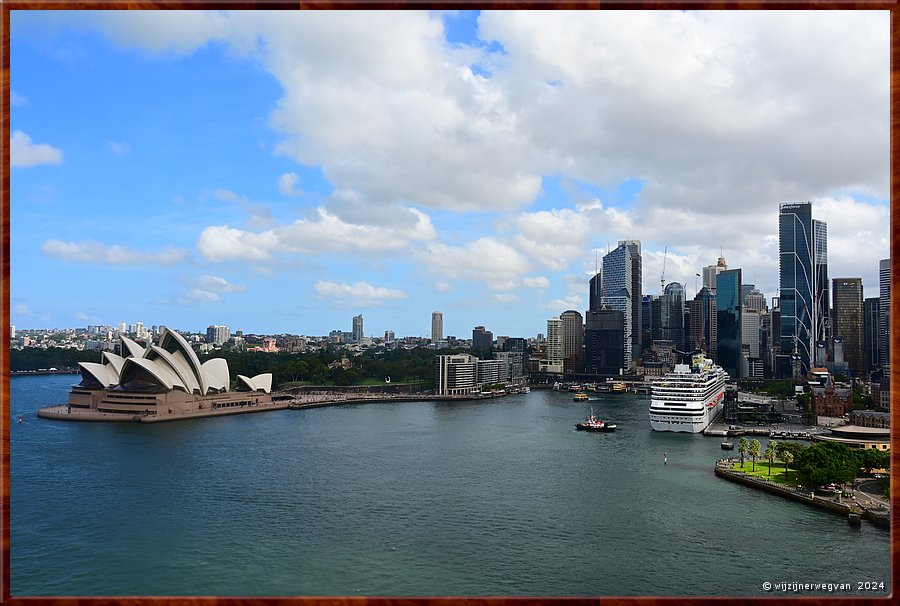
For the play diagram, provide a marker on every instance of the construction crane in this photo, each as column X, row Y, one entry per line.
column 662, row 277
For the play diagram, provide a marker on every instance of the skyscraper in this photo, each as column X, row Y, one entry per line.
column 871, row 332
column 884, row 283
column 711, row 271
column 595, row 296
column 703, row 322
column 217, row 335
column 554, row 345
column 604, row 341
column 728, row 321
column 622, row 288
column 437, row 326
column 803, row 269
column 847, row 321
column 481, row 338
column 358, row 328
column 671, row 313
column 573, row 340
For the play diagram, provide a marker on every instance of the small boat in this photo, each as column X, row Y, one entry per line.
column 727, row 445
column 527, row 389
column 581, row 397
column 595, row 424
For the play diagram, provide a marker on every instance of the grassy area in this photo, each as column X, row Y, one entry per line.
column 779, row 472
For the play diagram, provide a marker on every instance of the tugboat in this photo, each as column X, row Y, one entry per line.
column 595, row 424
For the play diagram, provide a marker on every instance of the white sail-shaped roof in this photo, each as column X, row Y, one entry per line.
column 169, row 339
column 178, row 365
column 261, row 382
column 130, row 349
column 216, row 372
column 101, row 373
column 114, row 361
column 162, row 373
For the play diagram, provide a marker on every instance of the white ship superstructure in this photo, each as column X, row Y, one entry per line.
column 688, row 398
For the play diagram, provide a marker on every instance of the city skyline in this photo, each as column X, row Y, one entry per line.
column 213, row 177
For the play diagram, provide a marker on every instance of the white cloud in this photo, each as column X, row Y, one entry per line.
column 118, row 149
column 287, row 185
column 360, row 294
column 23, row 152
column 17, row 100
column 324, row 232
column 506, row 297
column 177, row 32
column 260, row 215
column 22, row 309
column 486, row 260
column 95, row 252
column 205, row 289
column 443, row 286
column 85, row 317
column 571, row 301
column 224, row 243
column 536, row 282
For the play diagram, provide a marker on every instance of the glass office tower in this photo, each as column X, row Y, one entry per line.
column 728, row 321
column 803, row 268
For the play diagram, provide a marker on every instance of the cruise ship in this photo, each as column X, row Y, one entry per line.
column 688, row 398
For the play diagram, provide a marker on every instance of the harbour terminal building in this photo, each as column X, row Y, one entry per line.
column 159, row 381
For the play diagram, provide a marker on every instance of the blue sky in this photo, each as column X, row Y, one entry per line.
column 255, row 170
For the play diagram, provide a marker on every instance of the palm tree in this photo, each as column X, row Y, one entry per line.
column 770, row 454
column 743, row 448
column 754, row 449
column 788, row 458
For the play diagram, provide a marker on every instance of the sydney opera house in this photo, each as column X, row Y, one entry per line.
column 162, row 380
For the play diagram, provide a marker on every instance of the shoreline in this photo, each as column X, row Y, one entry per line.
column 63, row 412
column 878, row 518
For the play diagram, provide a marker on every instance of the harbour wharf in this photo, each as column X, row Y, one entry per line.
column 873, row 511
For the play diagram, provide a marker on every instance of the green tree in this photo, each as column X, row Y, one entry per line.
column 743, row 448
column 770, row 454
column 826, row 462
column 793, row 447
column 805, row 402
column 754, row 449
column 788, row 458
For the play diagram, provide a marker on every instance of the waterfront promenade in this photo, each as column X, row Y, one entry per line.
column 280, row 401
column 860, row 503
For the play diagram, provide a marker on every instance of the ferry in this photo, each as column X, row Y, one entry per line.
column 581, row 397
column 687, row 399
column 618, row 387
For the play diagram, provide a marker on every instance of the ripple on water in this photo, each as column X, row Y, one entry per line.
column 400, row 499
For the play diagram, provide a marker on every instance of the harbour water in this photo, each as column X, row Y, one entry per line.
column 499, row 497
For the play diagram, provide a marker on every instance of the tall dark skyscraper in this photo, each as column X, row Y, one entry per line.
column 847, row 321
column 703, row 322
column 481, row 338
column 803, row 268
column 672, row 315
column 596, row 292
column 728, row 321
column 604, row 341
column 871, row 332
column 884, row 284
column 622, row 291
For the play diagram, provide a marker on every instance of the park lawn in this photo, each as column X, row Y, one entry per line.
column 779, row 471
